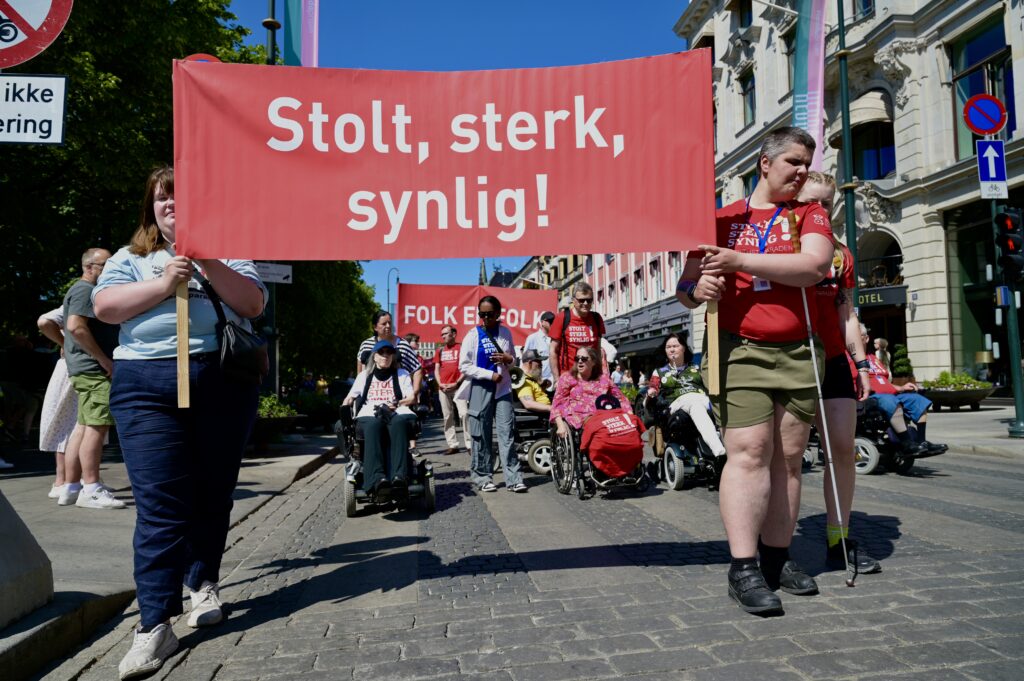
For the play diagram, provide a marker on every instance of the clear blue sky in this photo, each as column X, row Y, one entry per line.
column 456, row 35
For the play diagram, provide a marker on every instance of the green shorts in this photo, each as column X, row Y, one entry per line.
column 93, row 399
column 757, row 375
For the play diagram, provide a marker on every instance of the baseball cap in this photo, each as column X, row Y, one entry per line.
column 381, row 344
column 532, row 356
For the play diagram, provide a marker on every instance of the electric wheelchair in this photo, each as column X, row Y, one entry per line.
column 421, row 487
column 681, row 452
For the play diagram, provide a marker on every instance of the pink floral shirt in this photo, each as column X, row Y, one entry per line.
column 574, row 398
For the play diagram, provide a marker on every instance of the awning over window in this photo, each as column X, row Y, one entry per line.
column 871, row 107
column 640, row 347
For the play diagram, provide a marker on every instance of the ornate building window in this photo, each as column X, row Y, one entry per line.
column 982, row 64
column 874, row 151
column 748, row 92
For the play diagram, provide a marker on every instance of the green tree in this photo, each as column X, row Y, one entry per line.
column 323, row 317
column 60, row 200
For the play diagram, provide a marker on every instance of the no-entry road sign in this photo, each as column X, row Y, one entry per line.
column 27, row 27
column 984, row 114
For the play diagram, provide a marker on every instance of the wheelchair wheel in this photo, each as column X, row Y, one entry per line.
column 865, row 456
column 562, row 468
column 672, row 467
column 429, row 500
column 539, row 457
column 349, row 496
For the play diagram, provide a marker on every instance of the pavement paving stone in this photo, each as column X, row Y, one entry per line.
column 838, row 664
column 1008, row 626
column 762, row 671
column 942, row 674
column 564, row 671
column 406, row 670
column 697, row 636
column 1004, row 670
column 945, row 653
column 508, row 657
column 602, row 647
column 680, row 659
column 765, row 649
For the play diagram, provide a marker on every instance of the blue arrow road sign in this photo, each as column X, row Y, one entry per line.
column 991, row 161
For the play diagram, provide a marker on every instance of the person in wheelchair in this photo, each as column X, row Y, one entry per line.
column 382, row 393
column 531, row 392
column 679, row 385
column 899, row 403
column 577, row 391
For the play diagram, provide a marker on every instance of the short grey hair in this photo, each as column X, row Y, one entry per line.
column 582, row 287
column 779, row 140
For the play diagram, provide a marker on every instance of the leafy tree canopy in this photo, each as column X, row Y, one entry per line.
column 58, row 201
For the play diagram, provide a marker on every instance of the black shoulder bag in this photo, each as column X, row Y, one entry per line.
column 243, row 354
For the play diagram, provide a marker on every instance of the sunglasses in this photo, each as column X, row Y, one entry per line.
column 585, row 301
column 583, row 358
column 487, row 315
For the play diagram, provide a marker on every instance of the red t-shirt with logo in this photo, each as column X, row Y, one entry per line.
column 448, row 359
column 879, row 377
column 840, row 277
column 580, row 334
column 612, row 440
column 776, row 314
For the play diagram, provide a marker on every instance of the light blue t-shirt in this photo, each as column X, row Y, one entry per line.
column 153, row 334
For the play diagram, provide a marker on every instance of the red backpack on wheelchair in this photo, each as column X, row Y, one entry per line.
column 611, row 438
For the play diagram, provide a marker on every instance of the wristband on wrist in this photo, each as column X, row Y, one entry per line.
column 687, row 286
column 863, row 364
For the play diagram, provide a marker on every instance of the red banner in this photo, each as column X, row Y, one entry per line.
column 426, row 309
column 279, row 162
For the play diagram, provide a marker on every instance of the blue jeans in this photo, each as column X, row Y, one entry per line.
column 914, row 405
column 183, row 465
column 481, row 426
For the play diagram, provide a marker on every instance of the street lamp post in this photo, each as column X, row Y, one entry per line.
column 849, row 185
column 387, row 286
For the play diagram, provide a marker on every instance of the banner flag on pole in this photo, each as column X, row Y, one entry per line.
column 301, row 32
column 426, row 309
column 809, row 74
column 285, row 163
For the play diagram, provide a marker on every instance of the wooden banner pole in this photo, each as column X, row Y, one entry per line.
column 181, row 298
column 711, row 330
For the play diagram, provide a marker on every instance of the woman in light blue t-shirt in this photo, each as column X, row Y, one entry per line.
column 182, row 463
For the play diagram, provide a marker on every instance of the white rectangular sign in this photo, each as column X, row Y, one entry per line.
column 274, row 273
column 994, row 190
column 32, row 109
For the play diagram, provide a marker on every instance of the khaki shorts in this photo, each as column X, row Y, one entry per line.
column 93, row 399
column 757, row 375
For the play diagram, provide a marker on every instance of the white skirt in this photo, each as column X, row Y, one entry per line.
column 60, row 411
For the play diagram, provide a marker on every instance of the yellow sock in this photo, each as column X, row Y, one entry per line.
column 836, row 534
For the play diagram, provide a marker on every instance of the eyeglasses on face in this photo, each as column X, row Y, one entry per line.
column 487, row 314
column 583, row 358
column 585, row 301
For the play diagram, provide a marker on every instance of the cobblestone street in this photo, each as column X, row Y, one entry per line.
column 543, row 586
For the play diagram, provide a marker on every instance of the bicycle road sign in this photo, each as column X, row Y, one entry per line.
column 984, row 114
column 27, row 27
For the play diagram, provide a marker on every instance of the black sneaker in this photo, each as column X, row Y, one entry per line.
column 793, row 580
column 748, row 588
column 399, row 488
column 863, row 563
column 381, row 491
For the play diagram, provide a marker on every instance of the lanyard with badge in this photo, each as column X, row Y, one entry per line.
column 762, row 243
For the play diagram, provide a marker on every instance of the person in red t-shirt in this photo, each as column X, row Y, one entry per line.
column 448, row 376
column 584, row 330
column 839, row 330
column 769, row 247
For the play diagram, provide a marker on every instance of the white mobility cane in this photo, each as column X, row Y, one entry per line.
column 823, row 436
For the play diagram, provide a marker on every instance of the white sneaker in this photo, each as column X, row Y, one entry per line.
column 55, row 491
column 206, row 606
column 4, row 464
column 100, row 498
column 148, row 652
column 68, row 496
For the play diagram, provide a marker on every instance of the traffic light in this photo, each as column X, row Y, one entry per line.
column 1010, row 241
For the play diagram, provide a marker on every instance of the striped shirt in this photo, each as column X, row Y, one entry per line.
column 410, row 360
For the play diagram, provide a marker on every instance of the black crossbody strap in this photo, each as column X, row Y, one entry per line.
column 222, row 320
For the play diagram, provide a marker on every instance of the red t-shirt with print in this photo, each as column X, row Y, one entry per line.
column 448, row 360
column 774, row 312
column 840, row 277
column 580, row 334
